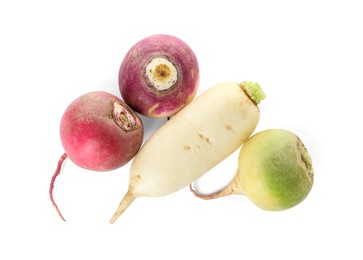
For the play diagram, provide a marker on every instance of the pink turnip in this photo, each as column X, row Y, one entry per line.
column 99, row 132
column 159, row 76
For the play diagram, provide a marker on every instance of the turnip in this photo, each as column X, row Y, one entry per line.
column 99, row 132
column 159, row 76
column 274, row 171
column 193, row 141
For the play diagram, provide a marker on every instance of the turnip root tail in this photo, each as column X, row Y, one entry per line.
column 57, row 172
column 124, row 204
column 231, row 189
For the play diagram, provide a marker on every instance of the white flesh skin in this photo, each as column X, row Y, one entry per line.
column 200, row 136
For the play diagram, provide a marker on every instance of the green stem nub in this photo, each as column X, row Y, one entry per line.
column 253, row 90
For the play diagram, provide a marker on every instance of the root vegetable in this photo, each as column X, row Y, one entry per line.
column 99, row 132
column 201, row 135
column 274, row 171
column 159, row 76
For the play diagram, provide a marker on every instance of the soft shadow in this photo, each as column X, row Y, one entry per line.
column 151, row 125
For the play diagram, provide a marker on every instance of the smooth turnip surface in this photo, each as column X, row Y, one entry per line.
column 274, row 171
column 99, row 132
column 201, row 135
column 279, row 172
column 159, row 76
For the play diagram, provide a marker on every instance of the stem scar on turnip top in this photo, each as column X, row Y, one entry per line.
column 99, row 132
column 197, row 138
column 274, row 171
column 159, row 75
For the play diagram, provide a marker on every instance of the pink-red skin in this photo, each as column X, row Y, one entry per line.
column 92, row 139
column 133, row 82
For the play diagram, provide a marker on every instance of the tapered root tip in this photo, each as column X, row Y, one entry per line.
column 124, row 204
column 55, row 175
column 115, row 217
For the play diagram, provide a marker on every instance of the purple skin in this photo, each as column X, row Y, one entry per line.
column 136, row 87
column 100, row 132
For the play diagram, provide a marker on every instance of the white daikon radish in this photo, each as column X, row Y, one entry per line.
column 201, row 135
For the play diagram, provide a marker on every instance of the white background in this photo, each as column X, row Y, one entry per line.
column 306, row 55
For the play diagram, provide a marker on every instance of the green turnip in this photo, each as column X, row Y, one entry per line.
column 274, row 171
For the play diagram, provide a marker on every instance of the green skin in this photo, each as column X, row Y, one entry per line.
column 275, row 170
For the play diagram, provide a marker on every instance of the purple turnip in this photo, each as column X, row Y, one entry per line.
column 99, row 132
column 159, row 76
